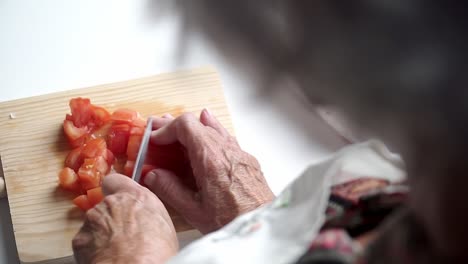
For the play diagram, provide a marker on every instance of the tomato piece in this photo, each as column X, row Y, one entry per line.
column 101, row 166
column 99, row 115
column 81, row 111
column 118, row 138
column 93, row 148
column 76, row 135
column 95, row 196
column 89, row 178
column 74, row 159
column 133, row 147
column 128, row 168
column 137, row 131
column 124, row 116
column 138, row 122
column 108, row 156
column 82, row 202
column 68, row 117
column 102, row 131
column 69, row 180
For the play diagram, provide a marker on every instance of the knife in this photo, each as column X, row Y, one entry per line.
column 142, row 151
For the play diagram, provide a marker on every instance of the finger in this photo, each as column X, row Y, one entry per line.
column 82, row 245
column 168, row 116
column 159, row 122
column 167, row 186
column 185, row 129
column 208, row 119
column 115, row 183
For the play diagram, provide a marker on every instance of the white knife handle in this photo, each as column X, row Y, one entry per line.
column 2, row 188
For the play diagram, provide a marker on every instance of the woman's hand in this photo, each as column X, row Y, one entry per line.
column 229, row 181
column 130, row 225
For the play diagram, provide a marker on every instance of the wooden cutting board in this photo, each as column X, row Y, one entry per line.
column 33, row 148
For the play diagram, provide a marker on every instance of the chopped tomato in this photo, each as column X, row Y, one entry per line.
column 134, row 143
column 101, row 166
column 137, row 130
column 81, row 111
column 100, row 141
column 76, row 135
column 102, row 131
column 93, row 148
column 95, row 196
column 69, row 180
column 138, row 122
column 89, row 178
column 126, row 116
column 128, row 168
column 118, row 138
column 82, row 202
column 99, row 115
column 108, row 156
column 74, row 159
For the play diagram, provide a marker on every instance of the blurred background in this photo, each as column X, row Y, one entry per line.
column 54, row 45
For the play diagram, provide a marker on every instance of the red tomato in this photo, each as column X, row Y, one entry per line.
column 118, row 138
column 96, row 137
column 138, row 122
column 137, row 130
column 128, row 168
column 82, row 202
column 69, row 180
column 101, row 166
column 88, row 176
column 93, row 148
column 134, row 143
column 108, row 156
column 81, row 111
column 102, row 131
column 76, row 135
column 95, row 196
column 74, row 159
column 125, row 116
column 99, row 115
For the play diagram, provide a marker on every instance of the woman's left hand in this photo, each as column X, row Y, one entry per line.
column 131, row 225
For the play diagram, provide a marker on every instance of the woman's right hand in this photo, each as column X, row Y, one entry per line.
column 229, row 181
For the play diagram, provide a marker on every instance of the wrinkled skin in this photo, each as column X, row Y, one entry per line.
column 132, row 225
column 229, row 181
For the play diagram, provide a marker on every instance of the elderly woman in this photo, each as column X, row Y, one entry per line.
column 397, row 68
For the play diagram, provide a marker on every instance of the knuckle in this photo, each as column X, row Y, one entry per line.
column 109, row 200
column 93, row 215
column 185, row 121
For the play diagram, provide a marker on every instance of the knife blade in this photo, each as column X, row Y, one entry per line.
column 142, row 151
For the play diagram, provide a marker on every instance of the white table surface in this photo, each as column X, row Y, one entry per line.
column 55, row 45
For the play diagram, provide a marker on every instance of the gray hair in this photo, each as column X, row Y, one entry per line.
column 397, row 67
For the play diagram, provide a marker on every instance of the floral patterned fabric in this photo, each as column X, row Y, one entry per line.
column 355, row 209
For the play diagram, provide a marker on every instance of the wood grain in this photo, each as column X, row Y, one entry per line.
column 33, row 149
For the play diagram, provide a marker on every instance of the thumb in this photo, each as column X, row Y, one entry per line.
column 114, row 183
column 169, row 188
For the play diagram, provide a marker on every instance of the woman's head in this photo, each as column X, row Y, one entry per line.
column 396, row 67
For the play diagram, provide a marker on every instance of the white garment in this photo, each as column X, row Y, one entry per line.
column 282, row 231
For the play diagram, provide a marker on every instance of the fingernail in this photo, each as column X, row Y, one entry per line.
column 167, row 116
column 208, row 112
column 150, row 178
